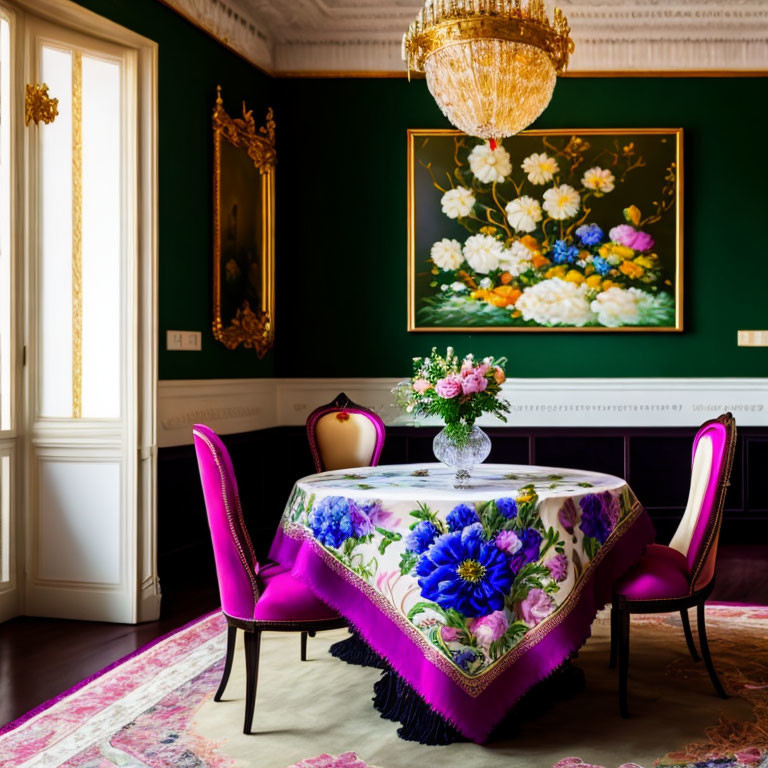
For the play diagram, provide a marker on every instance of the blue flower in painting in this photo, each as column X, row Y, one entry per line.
column 529, row 551
column 602, row 267
column 330, row 521
column 590, row 234
column 564, row 253
column 464, row 659
column 598, row 517
column 461, row 516
column 421, row 537
column 464, row 572
column 507, row 507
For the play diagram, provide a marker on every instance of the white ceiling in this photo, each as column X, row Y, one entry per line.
column 365, row 35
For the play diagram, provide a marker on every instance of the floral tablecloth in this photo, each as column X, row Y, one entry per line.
column 472, row 595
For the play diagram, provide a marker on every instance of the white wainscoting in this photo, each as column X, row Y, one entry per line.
column 241, row 405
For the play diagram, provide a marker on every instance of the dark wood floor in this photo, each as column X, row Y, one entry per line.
column 40, row 658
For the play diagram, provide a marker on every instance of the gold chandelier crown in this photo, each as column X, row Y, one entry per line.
column 504, row 52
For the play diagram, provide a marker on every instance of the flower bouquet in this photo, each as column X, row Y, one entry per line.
column 554, row 240
column 458, row 391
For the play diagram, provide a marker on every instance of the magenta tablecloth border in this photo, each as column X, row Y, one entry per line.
column 475, row 716
column 96, row 675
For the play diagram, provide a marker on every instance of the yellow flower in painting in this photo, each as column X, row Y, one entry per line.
column 614, row 253
column 530, row 242
column 630, row 269
column 574, row 276
column 589, row 269
column 593, row 281
column 540, row 261
column 558, row 271
column 632, row 215
column 645, row 261
column 505, row 295
column 608, row 284
column 480, row 293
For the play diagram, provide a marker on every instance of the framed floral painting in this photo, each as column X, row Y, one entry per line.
column 557, row 230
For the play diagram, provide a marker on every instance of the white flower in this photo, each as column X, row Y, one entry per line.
column 458, row 287
column 447, row 254
column 516, row 259
column 458, row 202
column 488, row 164
column 562, row 202
column 616, row 307
column 485, row 283
column 482, row 253
column 540, row 168
column 555, row 302
column 523, row 213
column 599, row 179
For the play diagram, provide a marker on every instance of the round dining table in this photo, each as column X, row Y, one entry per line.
column 467, row 597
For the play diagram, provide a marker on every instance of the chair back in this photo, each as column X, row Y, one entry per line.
column 343, row 434
column 698, row 532
column 236, row 564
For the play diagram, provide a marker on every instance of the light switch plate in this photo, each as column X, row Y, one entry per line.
column 183, row 341
column 753, row 339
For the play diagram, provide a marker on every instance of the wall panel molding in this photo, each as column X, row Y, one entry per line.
column 242, row 405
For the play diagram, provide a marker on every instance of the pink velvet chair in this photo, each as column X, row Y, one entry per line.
column 681, row 575
column 255, row 598
column 343, row 435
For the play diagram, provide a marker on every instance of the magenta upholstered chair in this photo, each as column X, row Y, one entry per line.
column 343, row 434
column 681, row 575
column 254, row 597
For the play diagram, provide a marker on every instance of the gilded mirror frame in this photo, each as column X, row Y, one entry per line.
column 251, row 326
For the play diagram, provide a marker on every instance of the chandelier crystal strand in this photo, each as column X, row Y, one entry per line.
column 491, row 65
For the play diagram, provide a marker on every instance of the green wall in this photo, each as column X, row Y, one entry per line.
column 191, row 64
column 342, row 229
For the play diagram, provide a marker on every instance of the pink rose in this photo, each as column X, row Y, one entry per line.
column 558, row 567
column 535, row 607
column 475, row 382
column 490, row 628
column 421, row 386
column 448, row 387
column 499, row 375
column 449, row 634
column 508, row 541
column 631, row 238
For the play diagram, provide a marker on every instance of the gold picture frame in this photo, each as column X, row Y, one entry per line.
column 423, row 274
column 244, row 230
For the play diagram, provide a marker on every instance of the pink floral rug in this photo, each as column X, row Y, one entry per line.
column 139, row 713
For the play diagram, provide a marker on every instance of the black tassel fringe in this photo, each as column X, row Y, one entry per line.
column 354, row 650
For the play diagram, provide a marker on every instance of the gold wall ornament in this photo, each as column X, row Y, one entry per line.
column 38, row 105
column 491, row 65
column 244, row 222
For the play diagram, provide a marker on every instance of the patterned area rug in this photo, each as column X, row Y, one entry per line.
column 155, row 709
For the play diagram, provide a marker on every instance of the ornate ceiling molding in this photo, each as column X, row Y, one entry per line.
column 611, row 35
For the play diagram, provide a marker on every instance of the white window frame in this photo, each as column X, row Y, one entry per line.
column 140, row 598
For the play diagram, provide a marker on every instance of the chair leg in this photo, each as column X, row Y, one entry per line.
column 303, row 646
column 701, row 619
column 688, row 636
column 623, row 653
column 252, row 644
column 231, row 637
column 614, row 638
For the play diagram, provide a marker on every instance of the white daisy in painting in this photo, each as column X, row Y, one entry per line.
column 523, row 213
column 617, row 306
column 599, row 179
column 482, row 253
column 540, row 168
column 488, row 164
column 516, row 259
column 446, row 254
column 555, row 302
column 562, row 202
column 458, row 202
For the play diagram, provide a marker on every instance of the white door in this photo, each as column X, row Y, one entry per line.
column 88, row 412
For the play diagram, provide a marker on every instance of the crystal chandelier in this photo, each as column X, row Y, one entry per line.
column 491, row 65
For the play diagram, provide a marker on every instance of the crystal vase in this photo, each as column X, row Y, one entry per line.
column 462, row 457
